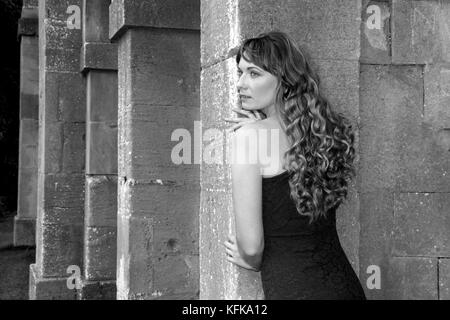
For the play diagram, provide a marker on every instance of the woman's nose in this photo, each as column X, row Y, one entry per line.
column 240, row 83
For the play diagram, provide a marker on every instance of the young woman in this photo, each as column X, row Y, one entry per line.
column 285, row 208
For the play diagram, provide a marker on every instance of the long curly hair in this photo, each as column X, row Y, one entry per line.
column 320, row 160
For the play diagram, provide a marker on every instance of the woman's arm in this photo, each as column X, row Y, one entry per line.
column 247, row 194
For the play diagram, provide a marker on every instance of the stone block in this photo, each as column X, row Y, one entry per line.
column 444, row 279
column 102, row 104
column 150, row 129
column 58, row 247
column 98, row 290
column 28, row 156
column 29, row 69
column 58, row 9
column 420, row 32
column 61, row 200
column 421, row 224
column 29, row 4
column 134, row 256
column 437, row 96
column 101, row 56
column 27, row 27
column 100, row 253
column 96, row 21
column 28, row 132
column 180, row 282
column 29, row 106
column 174, row 14
column 375, row 238
column 27, row 196
column 63, row 148
column 49, row 288
column 61, row 60
column 412, row 278
column 59, row 36
column 64, row 97
column 24, row 232
column 375, row 32
column 101, row 201
column 165, row 77
column 101, row 148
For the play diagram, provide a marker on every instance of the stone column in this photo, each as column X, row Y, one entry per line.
column 25, row 221
column 61, row 178
column 158, row 199
column 99, row 64
column 329, row 33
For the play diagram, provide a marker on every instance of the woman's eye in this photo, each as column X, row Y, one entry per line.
column 254, row 73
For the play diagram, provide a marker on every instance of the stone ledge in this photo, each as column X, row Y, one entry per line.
column 49, row 288
column 171, row 14
column 102, row 56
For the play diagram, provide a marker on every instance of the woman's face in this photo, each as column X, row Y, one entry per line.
column 259, row 85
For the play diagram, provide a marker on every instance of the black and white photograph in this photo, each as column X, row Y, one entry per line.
column 208, row 151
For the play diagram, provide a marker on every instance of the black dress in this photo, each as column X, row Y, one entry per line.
column 302, row 261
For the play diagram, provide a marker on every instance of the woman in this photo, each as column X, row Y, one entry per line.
column 285, row 209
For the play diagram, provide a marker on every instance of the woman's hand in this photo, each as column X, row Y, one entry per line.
column 233, row 254
column 250, row 117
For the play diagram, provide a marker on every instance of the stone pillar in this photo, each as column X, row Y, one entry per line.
column 25, row 221
column 405, row 139
column 158, row 200
column 329, row 32
column 99, row 64
column 61, row 178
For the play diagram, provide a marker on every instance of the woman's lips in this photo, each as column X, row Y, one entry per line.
column 245, row 97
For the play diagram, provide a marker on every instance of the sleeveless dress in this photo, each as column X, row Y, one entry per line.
column 302, row 261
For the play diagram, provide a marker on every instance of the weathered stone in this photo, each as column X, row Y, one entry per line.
column 329, row 29
column 57, row 10
column 444, row 279
column 27, row 27
column 420, row 31
column 27, row 197
column 97, row 290
column 24, row 231
column 421, row 224
column 63, row 146
column 100, row 253
column 375, row 32
column 134, row 255
column 96, row 20
column 375, row 238
column 182, row 280
column 412, row 278
column 99, row 56
column 102, row 96
column 101, row 201
column 29, row 78
column 62, row 199
column 49, row 289
column 64, row 95
column 174, row 14
column 101, row 148
column 437, row 96
column 177, row 83
column 59, row 247
column 29, row 106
